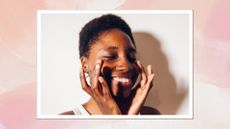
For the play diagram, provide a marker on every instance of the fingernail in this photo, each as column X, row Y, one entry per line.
column 99, row 61
column 100, row 79
column 149, row 67
column 98, row 64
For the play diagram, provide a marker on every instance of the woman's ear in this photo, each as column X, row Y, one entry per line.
column 84, row 64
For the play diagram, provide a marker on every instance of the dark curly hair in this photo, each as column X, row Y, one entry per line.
column 94, row 28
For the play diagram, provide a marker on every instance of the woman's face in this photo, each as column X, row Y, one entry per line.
column 118, row 54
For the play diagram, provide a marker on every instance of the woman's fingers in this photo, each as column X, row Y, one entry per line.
column 94, row 88
column 146, row 78
column 150, row 76
column 149, row 69
column 96, row 73
column 84, row 84
column 143, row 74
column 105, row 88
column 150, row 73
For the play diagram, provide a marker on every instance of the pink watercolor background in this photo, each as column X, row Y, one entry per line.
column 18, row 63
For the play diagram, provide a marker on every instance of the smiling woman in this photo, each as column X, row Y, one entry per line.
column 113, row 77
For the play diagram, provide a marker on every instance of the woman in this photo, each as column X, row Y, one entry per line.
column 117, row 82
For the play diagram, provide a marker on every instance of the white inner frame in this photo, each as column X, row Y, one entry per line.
column 39, row 62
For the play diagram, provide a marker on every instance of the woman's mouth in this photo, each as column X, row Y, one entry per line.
column 123, row 81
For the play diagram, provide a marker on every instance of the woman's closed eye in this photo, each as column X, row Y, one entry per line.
column 132, row 57
column 109, row 57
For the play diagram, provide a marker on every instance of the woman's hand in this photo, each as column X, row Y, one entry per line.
column 99, row 90
column 141, row 91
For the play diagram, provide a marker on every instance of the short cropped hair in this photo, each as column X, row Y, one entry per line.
column 94, row 28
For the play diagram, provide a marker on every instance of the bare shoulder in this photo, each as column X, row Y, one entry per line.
column 146, row 110
column 67, row 113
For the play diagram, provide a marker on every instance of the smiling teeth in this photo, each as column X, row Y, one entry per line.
column 121, row 79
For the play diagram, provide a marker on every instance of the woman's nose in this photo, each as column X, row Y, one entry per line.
column 123, row 64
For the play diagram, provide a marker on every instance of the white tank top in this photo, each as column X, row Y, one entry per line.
column 80, row 110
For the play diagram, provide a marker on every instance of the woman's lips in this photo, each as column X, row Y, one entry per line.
column 123, row 81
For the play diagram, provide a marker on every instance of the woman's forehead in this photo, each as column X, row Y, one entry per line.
column 114, row 38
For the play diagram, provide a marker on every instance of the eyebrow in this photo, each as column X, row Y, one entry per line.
column 131, row 49
column 111, row 48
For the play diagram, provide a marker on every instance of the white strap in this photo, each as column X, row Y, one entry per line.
column 80, row 110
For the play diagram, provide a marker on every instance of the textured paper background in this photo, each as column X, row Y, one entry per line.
column 18, row 64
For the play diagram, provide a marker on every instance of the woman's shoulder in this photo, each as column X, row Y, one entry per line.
column 67, row 113
column 146, row 110
column 79, row 110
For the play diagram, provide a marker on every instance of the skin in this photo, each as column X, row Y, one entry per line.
column 114, row 55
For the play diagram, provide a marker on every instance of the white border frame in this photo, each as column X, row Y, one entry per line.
column 190, row 116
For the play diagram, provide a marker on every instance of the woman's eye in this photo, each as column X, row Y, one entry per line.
column 110, row 57
column 132, row 58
